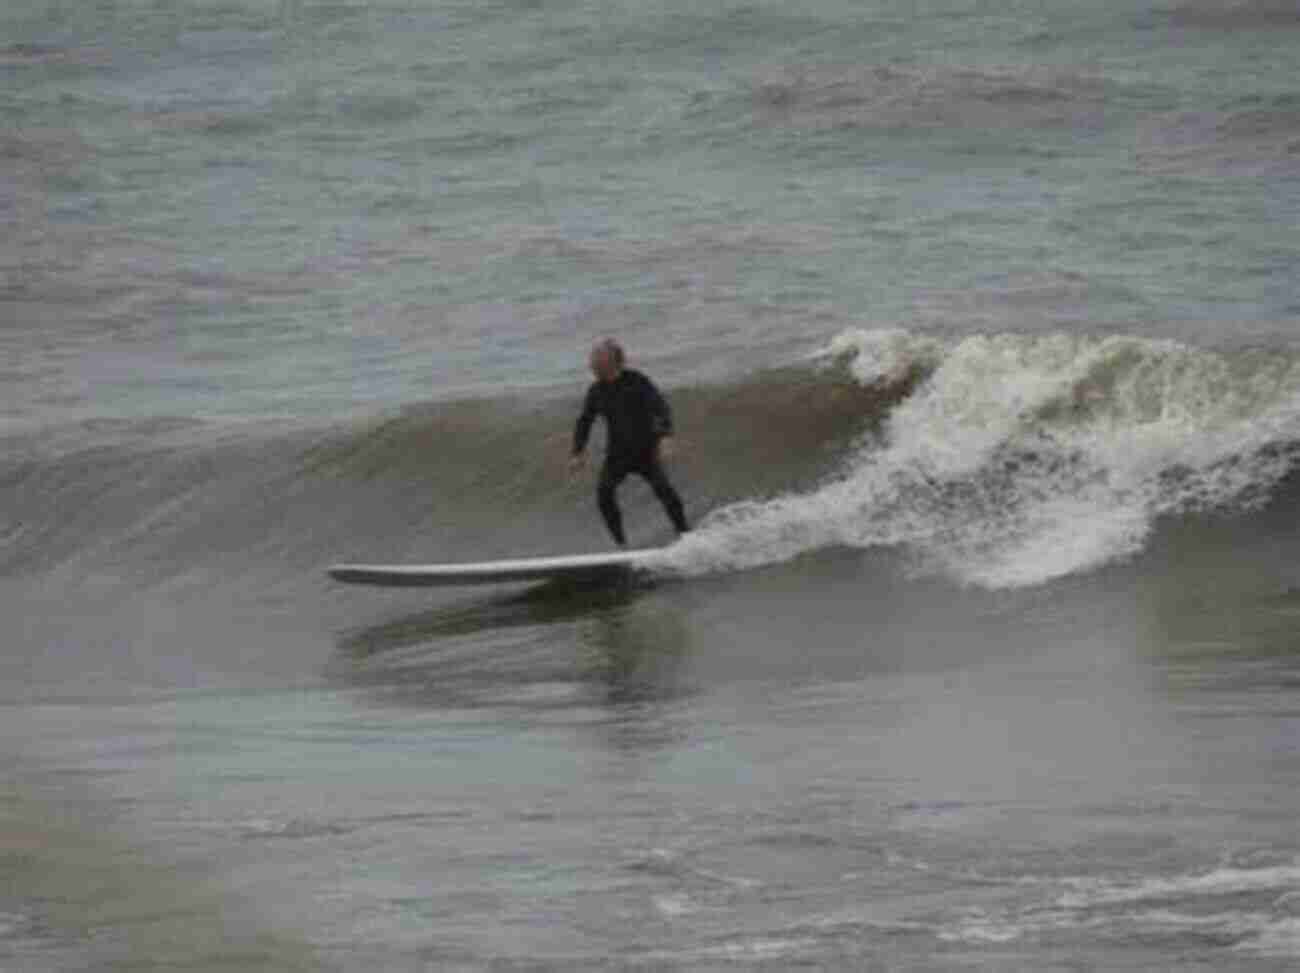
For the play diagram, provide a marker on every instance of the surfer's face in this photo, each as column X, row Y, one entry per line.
column 604, row 365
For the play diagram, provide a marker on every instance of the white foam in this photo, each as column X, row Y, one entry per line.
column 883, row 356
column 981, row 931
column 1279, row 939
column 1207, row 902
column 1021, row 458
column 674, row 906
column 1256, row 933
column 1086, row 893
column 11, row 923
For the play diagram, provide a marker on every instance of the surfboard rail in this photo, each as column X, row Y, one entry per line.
column 573, row 566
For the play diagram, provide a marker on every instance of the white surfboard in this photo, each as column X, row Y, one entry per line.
column 570, row 567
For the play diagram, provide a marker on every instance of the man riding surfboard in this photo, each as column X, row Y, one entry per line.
column 639, row 430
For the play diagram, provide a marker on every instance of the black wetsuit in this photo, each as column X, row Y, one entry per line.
column 636, row 418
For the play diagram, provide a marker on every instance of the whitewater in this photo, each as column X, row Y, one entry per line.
column 1020, row 459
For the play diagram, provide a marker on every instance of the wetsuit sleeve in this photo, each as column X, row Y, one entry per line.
column 583, row 429
column 661, row 417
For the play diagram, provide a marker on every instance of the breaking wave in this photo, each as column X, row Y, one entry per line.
column 1019, row 459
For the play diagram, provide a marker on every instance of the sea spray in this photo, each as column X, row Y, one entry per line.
column 1021, row 458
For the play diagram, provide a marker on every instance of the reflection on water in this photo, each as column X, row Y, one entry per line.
column 544, row 604
column 636, row 653
column 552, row 645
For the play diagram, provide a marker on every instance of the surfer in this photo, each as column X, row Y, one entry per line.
column 639, row 430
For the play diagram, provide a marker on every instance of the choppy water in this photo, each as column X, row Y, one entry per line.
column 979, row 321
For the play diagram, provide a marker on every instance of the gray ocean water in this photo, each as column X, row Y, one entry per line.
column 981, row 325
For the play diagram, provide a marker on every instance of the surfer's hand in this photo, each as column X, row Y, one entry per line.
column 577, row 462
column 667, row 448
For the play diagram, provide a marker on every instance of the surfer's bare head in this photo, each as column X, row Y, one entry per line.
column 606, row 359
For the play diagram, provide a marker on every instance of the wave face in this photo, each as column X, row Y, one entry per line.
column 1001, row 461
column 1019, row 459
column 154, row 499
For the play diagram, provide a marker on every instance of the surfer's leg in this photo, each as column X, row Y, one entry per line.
column 611, row 475
column 654, row 474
